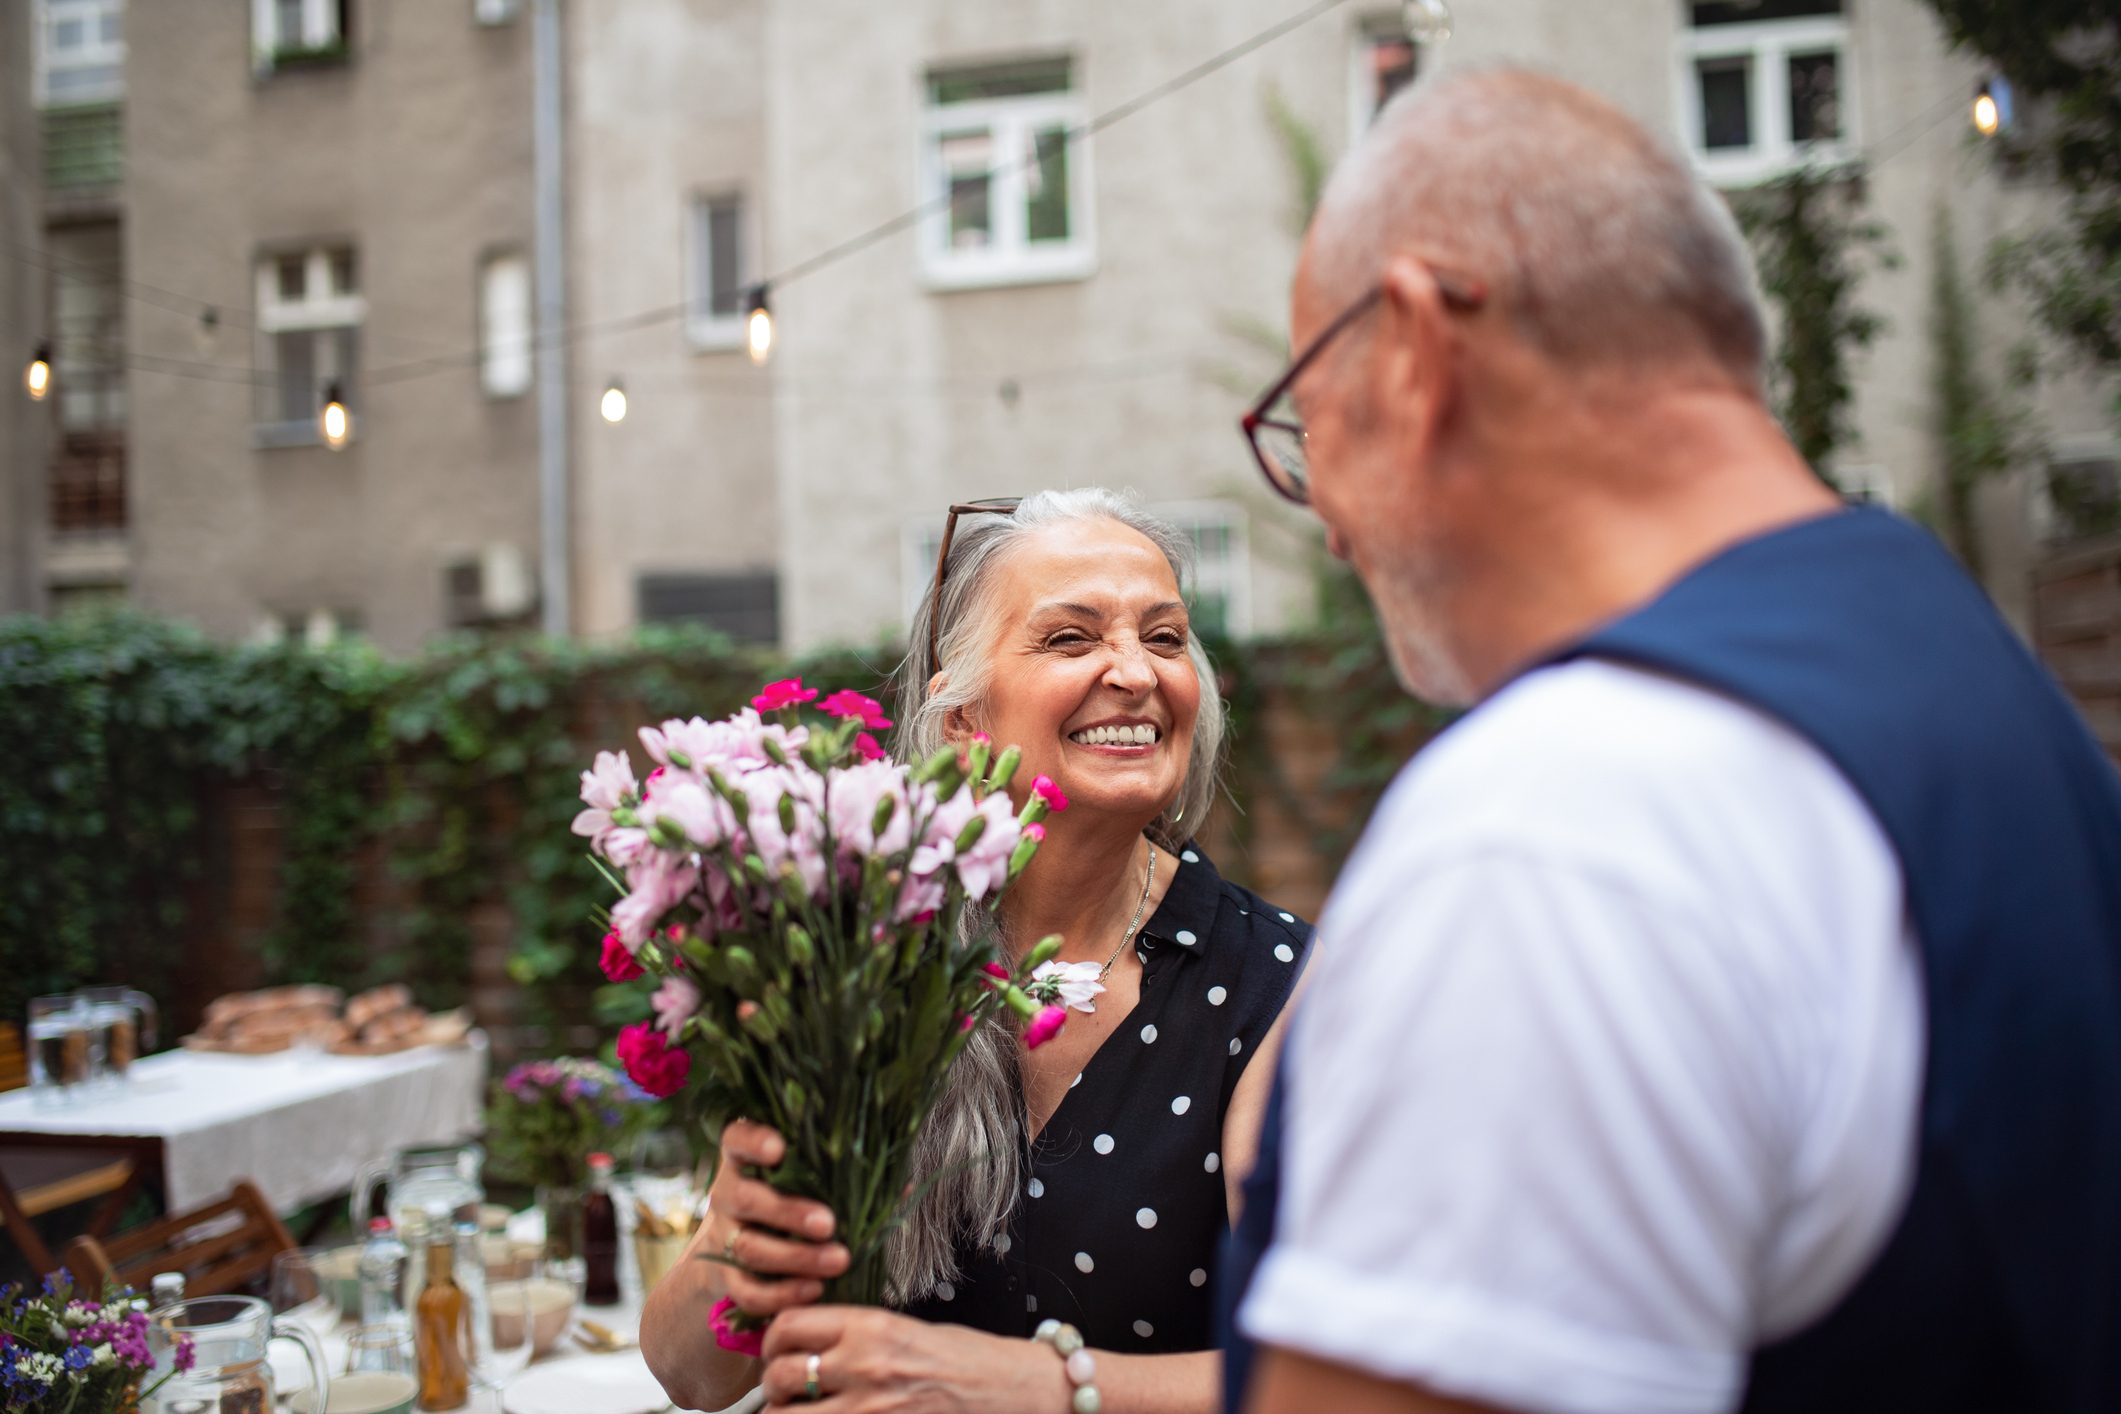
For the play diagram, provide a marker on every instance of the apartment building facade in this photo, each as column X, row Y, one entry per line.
column 325, row 195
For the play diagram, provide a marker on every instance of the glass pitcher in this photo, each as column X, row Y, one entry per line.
column 121, row 1028
column 61, row 1057
column 229, row 1373
column 433, row 1189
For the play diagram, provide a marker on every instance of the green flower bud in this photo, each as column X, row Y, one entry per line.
column 969, row 836
column 680, row 760
column 773, row 751
column 1043, row 953
column 1004, row 769
column 885, row 809
column 801, row 951
column 1020, row 1002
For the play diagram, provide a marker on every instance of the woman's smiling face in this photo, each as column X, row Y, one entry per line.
column 1090, row 674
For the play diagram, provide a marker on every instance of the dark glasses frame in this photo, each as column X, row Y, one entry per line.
column 1460, row 292
column 990, row 506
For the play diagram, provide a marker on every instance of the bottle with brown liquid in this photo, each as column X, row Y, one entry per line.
column 444, row 1331
column 600, row 1236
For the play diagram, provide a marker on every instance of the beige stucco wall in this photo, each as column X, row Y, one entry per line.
column 666, row 101
column 23, row 424
column 418, row 153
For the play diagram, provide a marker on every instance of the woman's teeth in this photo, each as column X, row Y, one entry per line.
column 1143, row 735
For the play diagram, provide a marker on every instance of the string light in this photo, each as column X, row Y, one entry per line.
column 758, row 326
column 334, row 422
column 613, row 404
column 37, row 378
column 1988, row 114
column 1426, row 21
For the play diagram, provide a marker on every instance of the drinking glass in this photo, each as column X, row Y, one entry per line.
column 513, row 1311
column 382, row 1373
column 299, row 1290
column 60, row 1059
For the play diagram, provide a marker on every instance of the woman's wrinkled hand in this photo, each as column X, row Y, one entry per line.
column 880, row 1362
column 780, row 1246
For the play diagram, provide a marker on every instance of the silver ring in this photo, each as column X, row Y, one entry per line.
column 729, row 1249
column 812, row 1390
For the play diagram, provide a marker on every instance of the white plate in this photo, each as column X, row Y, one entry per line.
column 586, row 1384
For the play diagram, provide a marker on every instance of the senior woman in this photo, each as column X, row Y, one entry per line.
column 1089, row 1181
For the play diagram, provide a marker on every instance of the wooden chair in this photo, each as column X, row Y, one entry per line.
column 34, row 1182
column 222, row 1247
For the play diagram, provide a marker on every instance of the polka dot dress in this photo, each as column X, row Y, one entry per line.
column 1123, row 1210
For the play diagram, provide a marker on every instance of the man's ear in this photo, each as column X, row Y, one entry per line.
column 1415, row 366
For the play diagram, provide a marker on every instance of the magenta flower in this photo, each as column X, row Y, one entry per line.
column 849, row 705
column 655, row 1065
column 867, row 749
column 1045, row 1026
column 1050, row 793
column 617, row 961
column 1035, row 832
column 788, row 692
column 726, row 1335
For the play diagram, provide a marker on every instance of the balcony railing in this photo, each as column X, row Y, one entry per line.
column 84, row 148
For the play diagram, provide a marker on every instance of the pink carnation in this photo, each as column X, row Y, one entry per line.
column 726, row 1335
column 850, row 706
column 788, row 692
column 674, row 1004
column 617, row 962
column 1050, row 793
column 1045, row 1026
column 655, row 1065
column 866, row 748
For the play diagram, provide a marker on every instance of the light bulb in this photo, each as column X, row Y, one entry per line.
column 1988, row 119
column 758, row 327
column 1427, row 21
column 37, row 377
column 613, row 404
column 334, row 422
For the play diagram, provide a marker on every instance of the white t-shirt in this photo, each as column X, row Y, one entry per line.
column 1610, row 1067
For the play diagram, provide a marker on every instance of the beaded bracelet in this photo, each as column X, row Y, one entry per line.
column 1081, row 1365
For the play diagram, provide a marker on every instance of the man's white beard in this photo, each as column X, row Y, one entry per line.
column 1415, row 643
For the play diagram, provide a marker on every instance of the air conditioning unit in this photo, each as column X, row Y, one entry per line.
column 495, row 586
column 495, row 12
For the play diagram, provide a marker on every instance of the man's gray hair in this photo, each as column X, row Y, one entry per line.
column 970, row 1153
column 1600, row 244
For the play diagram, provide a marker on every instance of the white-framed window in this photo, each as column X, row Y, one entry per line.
column 495, row 12
column 717, row 268
column 504, row 325
column 1220, row 595
column 1765, row 85
column 80, row 52
column 1381, row 62
column 1011, row 188
column 294, row 31
column 309, row 339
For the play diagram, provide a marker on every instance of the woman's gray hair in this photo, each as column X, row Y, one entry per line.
column 970, row 1154
column 962, row 631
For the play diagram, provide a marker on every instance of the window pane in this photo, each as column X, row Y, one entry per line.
column 1388, row 67
column 113, row 28
column 69, row 34
column 1739, row 12
column 966, row 158
column 293, row 273
column 999, row 81
column 342, row 272
column 287, row 22
column 1046, row 187
column 725, row 274
column 1815, row 97
column 504, row 327
column 295, row 383
column 1726, row 103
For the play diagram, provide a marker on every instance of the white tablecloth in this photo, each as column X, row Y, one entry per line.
column 298, row 1124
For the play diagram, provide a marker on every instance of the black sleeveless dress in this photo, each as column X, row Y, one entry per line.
column 1124, row 1211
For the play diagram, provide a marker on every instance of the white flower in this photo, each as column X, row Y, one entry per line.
column 104, row 1355
column 1072, row 984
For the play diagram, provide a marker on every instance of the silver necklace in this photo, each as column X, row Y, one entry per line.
column 1148, row 881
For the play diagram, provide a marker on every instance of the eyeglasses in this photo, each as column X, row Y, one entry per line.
column 1277, row 443
column 992, row 506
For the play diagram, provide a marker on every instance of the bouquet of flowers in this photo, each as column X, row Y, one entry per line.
column 63, row 1354
column 796, row 898
column 549, row 1115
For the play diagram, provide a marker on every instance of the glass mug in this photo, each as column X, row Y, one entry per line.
column 229, row 1372
column 61, row 1050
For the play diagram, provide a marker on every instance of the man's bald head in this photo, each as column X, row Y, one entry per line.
column 1598, row 243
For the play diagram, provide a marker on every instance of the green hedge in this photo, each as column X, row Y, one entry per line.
column 460, row 766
